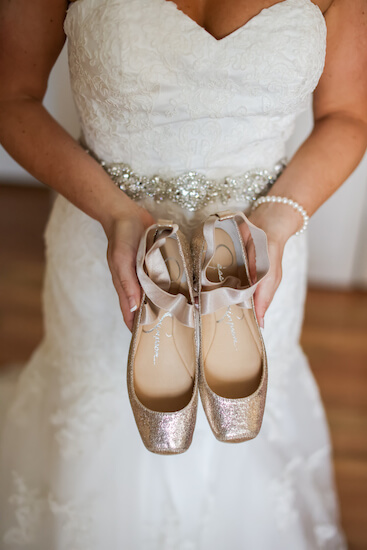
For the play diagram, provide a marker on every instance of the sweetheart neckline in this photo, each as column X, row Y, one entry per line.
column 227, row 37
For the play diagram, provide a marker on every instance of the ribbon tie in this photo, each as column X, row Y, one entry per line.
column 231, row 291
column 155, row 280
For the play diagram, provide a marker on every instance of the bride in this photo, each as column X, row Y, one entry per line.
column 165, row 89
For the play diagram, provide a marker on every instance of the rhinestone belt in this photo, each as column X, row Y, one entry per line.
column 191, row 190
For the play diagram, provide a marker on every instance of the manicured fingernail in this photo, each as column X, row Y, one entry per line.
column 132, row 304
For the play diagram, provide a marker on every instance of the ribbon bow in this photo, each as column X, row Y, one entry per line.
column 231, row 291
column 155, row 280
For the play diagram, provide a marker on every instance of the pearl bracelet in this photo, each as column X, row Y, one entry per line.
column 290, row 202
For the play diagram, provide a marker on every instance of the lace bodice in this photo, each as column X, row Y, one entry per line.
column 157, row 91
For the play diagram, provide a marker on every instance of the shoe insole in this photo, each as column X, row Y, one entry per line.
column 231, row 346
column 164, row 365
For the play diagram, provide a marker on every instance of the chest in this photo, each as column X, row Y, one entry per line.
column 148, row 55
column 221, row 18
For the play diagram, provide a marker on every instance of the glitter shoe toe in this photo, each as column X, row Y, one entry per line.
column 162, row 374
column 233, row 370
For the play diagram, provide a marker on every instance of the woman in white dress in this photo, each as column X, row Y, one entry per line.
column 214, row 88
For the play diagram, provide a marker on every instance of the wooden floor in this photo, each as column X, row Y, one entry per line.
column 334, row 338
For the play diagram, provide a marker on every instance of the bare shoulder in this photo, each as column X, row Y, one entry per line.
column 31, row 38
column 343, row 84
column 345, row 5
column 324, row 5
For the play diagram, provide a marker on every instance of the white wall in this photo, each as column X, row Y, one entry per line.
column 337, row 232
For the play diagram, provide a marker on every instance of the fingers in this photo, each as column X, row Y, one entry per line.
column 251, row 255
column 264, row 293
column 121, row 256
column 123, row 241
column 121, row 261
column 266, row 289
column 250, row 250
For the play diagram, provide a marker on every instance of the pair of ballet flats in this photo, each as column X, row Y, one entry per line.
column 196, row 332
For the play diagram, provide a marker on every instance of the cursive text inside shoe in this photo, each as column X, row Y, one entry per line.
column 164, row 368
column 231, row 346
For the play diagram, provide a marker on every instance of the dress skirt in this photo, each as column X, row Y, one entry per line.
column 75, row 474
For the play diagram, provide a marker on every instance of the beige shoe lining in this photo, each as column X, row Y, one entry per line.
column 164, row 365
column 232, row 351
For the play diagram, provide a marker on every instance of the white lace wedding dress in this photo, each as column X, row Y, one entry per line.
column 155, row 90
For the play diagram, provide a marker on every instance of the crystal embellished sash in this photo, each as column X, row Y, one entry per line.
column 191, row 190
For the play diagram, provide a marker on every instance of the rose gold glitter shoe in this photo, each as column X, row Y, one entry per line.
column 233, row 370
column 162, row 374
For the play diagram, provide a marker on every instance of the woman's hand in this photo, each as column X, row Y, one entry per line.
column 279, row 223
column 264, row 293
column 124, row 232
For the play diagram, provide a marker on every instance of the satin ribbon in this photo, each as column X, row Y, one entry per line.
column 230, row 291
column 155, row 280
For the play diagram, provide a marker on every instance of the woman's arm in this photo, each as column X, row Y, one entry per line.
column 335, row 146
column 31, row 38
